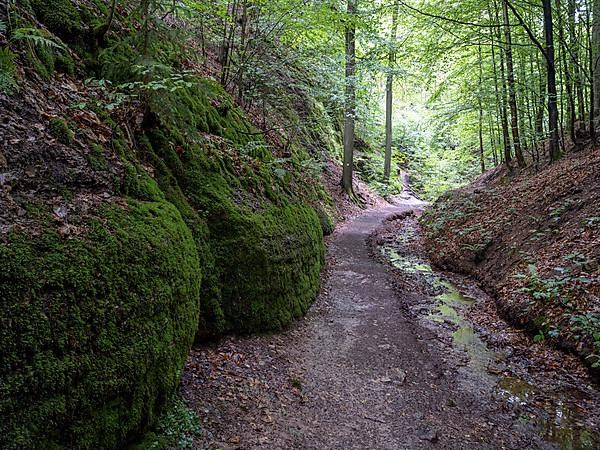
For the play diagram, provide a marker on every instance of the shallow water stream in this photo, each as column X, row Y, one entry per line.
column 554, row 411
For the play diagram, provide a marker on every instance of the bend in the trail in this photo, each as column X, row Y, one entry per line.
column 357, row 373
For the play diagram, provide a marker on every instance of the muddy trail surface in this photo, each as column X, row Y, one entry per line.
column 387, row 358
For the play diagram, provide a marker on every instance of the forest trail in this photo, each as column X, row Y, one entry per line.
column 359, row 372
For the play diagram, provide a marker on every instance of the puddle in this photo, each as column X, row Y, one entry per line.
column 561, row 422
column 558, row 419
column 448, row 307
column 406, row 264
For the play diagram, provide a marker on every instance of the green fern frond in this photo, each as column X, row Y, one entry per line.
column 37, row 37
column 8, row 69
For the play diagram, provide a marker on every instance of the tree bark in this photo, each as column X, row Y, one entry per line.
column 480, row 104
column 389, row 92
column 568, row 81
column 505, row 157
column 512, row 93
column 596, row 55
column 350, row 107
column 552, row 95
column 504, row 115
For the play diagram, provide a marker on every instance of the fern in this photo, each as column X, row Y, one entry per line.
column 36, row 37
column 8, row 69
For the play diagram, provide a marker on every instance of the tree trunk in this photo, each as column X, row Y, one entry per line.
column 350, row 107
column 512, row 93
column 389, row 87
column 568, row 81
column 552, row 95
column 596, row 55
column 574, row 54
column 480, row 104
column 504, row 116
column 505, row 156
column 593, row 73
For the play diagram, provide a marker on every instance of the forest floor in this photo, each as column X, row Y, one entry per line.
column 391, row 356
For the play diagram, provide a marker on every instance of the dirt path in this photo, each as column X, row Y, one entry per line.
column 358, row 373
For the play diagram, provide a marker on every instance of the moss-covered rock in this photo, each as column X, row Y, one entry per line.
column 264, row 247
column 61, row 131
column 60, row 16
column 95, row 329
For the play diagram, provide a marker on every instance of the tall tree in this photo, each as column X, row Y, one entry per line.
column 480, row 106
column 595, row 51
column 512, row 91
column 552, row 94
column 350, row 99
column 389, row 88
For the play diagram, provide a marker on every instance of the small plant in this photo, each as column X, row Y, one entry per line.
column 256, row 150
column 540, row 288
column 8, row 70
column 175, row 430
column 589, row 325
column 61, row 131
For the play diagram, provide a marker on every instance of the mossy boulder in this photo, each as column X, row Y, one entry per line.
column 60, row 16
column 95, row 329
column 264, row 245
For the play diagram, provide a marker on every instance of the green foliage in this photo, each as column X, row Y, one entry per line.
column 97, row 159
column 175, row 430
column 60, row 130
column 539, row 288
column 37, row 38
column 44, row 51
column 61, row 17
column 8, row 70
column 265, row 263
column 95, row 328
column 589, row 325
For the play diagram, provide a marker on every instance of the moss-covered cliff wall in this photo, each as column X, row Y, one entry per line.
column 127, row 230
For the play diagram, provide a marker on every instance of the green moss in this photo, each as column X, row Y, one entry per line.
column 327, row 223
column 266, row 263
column 96, row 158
column 176, row 428
column 204, row 107
column 61, row 131
column 60, row 16
column 64, row 63
column 95, row 329
column 42, row 61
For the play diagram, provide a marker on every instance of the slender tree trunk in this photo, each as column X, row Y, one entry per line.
column 541, row 104
column 228, row 42
column 512, row 93
column 574, row 57
column 146, row 27
column 596, row 55
column 504, row 116
column 492, row 138
column 101, row 32
column 479, row 100
column 350, row 108
column 552, row 94
column 389, row 92
column 505, row 156
column 568, row 82
column 594, row 74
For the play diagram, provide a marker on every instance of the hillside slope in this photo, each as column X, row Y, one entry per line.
column 533, row 241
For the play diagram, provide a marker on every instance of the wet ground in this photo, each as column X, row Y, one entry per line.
column 388, row 358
